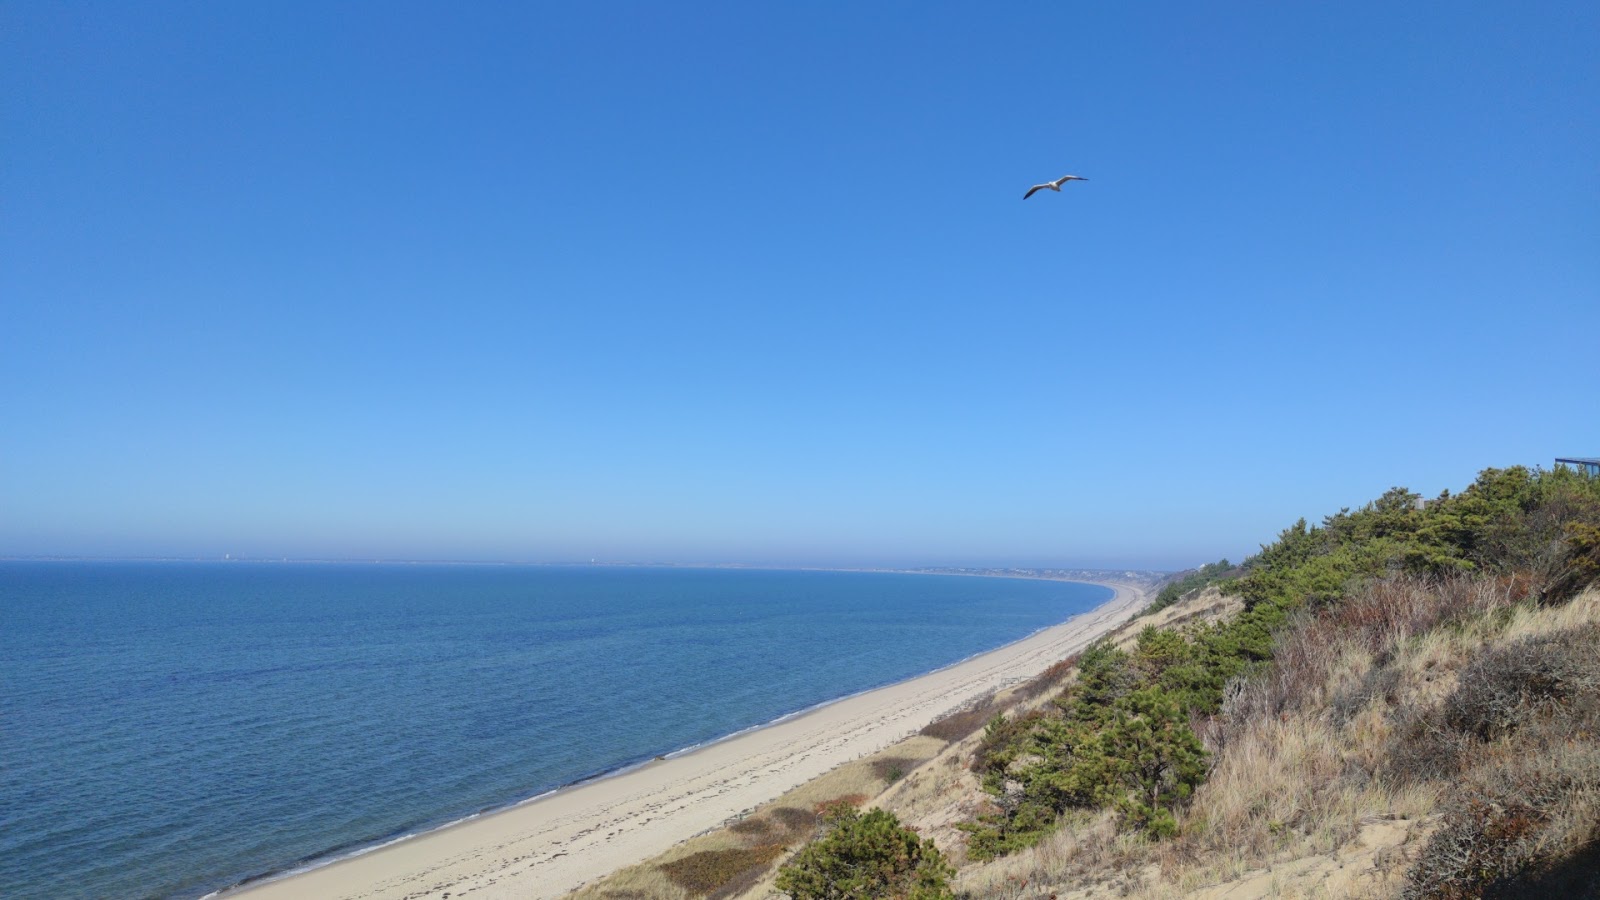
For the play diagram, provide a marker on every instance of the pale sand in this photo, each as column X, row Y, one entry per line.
column 551, row 845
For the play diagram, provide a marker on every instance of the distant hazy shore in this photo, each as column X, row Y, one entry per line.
column 555, row 843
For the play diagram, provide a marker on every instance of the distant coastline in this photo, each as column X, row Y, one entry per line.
column 1043, row 573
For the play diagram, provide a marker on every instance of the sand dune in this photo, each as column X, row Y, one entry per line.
column 556, row 843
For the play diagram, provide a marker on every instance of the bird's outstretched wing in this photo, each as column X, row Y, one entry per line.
column 1067, row 178
column 1032, row 190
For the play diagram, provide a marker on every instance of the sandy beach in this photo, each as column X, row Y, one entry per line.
column 551, row 845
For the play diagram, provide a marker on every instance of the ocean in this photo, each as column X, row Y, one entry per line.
column 170, row 729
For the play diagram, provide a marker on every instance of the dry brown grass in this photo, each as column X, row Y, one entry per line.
column 722, row 873
column 641, row 882
column 966, row 721
column 1051, row 680
column 1343, row 655
column 1087, row 851
column 890, row 769
column 778, row 825
column 848, row 801
column 1308, row 747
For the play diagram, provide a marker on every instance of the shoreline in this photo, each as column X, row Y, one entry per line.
column 551, row 844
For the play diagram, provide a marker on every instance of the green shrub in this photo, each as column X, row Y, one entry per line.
column 996, row 835
column 1105, row 675
column 867, row 856
column 1139, row 755
column 1003, row 739
column 1186, row 583
column 1581, row 565
column 1155, row 758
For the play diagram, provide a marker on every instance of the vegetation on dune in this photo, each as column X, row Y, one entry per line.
column 867, row 856
column 1405, row 662
column 1518, row 739
column 964, row 722
column 1123, row 737
column 722, row 873
column 1402, row 659
column 1415, row 696
column 893, row 768
column 1189, row 582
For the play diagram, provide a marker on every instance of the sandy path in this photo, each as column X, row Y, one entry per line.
column 554, row 844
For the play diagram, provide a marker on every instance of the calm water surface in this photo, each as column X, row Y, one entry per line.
column 168, row 729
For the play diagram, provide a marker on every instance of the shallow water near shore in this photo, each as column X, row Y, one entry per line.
column 175, row 728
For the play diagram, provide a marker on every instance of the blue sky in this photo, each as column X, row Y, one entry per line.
column 754, row 282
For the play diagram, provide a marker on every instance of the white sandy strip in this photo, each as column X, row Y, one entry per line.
column 551, row 845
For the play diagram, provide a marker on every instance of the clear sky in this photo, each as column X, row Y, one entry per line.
column 755, row 282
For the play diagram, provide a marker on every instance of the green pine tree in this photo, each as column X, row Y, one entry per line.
column 867, row 856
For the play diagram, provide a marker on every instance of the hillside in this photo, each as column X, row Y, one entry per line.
column 1401, row 702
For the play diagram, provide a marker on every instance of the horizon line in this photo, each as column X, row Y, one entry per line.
column 595, row 563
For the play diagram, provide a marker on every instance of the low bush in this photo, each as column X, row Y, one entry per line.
column 1154, row 759
column 1421, row 752
column 796, row 820
column 1581, row 565
column 890, row 769
column 867, row 855
column 1047, row 680
column 1510, row 820
column 1517, row 743
column 1003, row 739
column 963, row 723
column 754, row 827
column 1380, row 681
column 1186, row 583
column 1550, row 680
column 1138, row 755
column 721, row 872
column 1501, row 691
column 847, row 802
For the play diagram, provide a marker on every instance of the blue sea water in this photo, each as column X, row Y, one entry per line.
column 169, row 729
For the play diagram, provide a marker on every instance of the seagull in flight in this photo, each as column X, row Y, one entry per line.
column 1052, row 185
